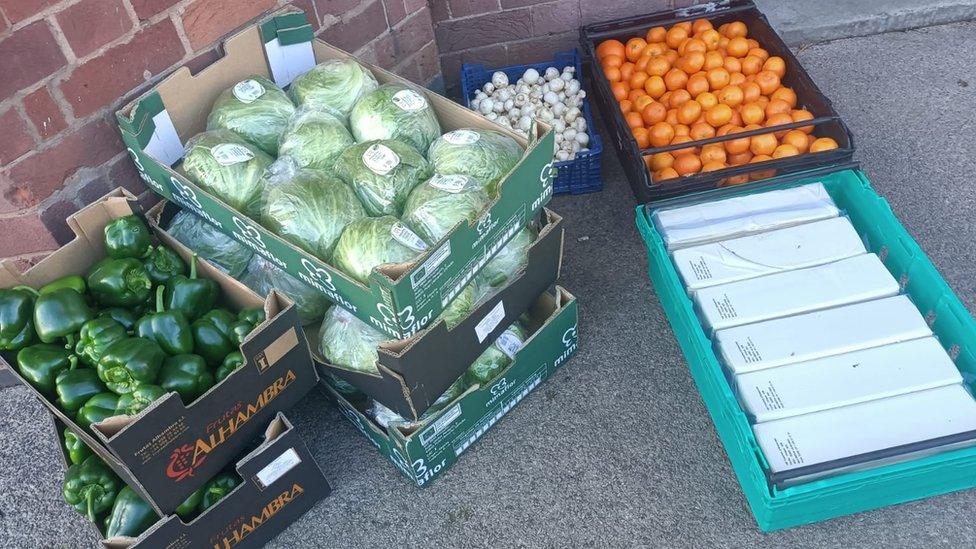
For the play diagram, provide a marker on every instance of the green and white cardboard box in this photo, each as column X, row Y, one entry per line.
column 423, row 453
column 400, row 299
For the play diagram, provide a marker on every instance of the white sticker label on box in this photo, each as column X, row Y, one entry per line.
column 409, row 100
column 408, row 238
column 509, row 343
column 461, row 137
column 248, row 91
column 380, row 159
column 490, row 322
column 277, row 468
column 228, row 154
column 448, row 183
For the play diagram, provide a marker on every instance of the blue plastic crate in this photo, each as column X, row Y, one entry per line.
column 577, row 176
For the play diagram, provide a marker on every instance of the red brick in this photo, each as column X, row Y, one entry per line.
column 203, row 60
column 205, row 21
column 18, row 10
column 595, row 12
column 438, row 9
column 309, row 8
column 123, row 173
column 555, row 17
column 354, row 31
column 44, row 113
column 413, row 34
column 90, row 24
column 508, row 4
column 120, row 69
column 414, row 5
column 3, row 23
column 54, row 217
column 408, row 69
column 495, row 55
column 24, row 234
column 15, row 139
column 395, row 11
column 483, row 30
column 38, row 175
column 542, row 48
column 337, row 8
column 428, row 63
column 381, row 51
column 26, row 56
column 148, row 8
column 464, row 8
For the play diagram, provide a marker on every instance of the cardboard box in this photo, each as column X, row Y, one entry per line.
column 818, row 334
column 796, row 247
column 424, row 453
column 842, row 380
column 281, row 482
column 400, row 299
column 803, row 448
column 172, row 448
column 851, row 280
column 683, row 226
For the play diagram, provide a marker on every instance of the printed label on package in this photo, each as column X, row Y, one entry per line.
column 380, row 159
column 448, row 183
column 277, row 468
column 228, row 154
column 509, row 343
column 409, row 100
column 461, row 137
column 248, row 91
column 408, row 238
column 490, row 322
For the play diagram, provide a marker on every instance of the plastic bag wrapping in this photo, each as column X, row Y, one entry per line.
column 314, row 139
column 333, row 86
column 208, row 242
column 262, row 276
column 372, row 241
column 485, row 155
column 382, row 173
column 308, row 207
column 228, row 167
column 395, row 111
column 468, row 300
column 254, row 108
column 511, row 259
column 497, row 357
column 349, row 343
column 437, row 205
column 387, row 418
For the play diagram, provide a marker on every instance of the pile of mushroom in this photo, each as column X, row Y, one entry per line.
column 554, row 97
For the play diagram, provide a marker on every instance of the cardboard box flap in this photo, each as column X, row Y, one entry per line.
column 288, row 45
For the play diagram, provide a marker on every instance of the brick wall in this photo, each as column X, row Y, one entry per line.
column 67, row 65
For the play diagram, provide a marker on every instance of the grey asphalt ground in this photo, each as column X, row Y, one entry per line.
column 617, row 449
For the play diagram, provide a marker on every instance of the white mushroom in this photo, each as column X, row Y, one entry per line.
column 487, row 106
column 492, row 116
column 508, row 105
column 572, row 114
column 572, row 87
column 499, row 107
column 514, row 113
column 583, row 139
column 551, row 98
column 474, row 103
column 559, row 109
column 557, row 84
column 546, row 114
column 525, row 123
column 562, row 155
column 499, row 79
column 521, row 99
column 531, row 76
column 569, row 134
column 580, row 124
column 489, row 88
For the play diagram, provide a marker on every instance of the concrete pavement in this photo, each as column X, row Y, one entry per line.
column 617, row 449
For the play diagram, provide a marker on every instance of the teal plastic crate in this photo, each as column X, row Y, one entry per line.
column 847, row 493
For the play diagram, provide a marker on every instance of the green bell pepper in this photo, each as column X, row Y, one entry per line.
column 95, row 336
column 188, row 508
column 231, row 362
column 97, row 408
column 169, row 329
column 78, row 451
column 75, row 387
column 126, row 317
column 75, row 282
column 129, row 363
column 254, row 316
column 163, row 264
column 119, row 283
column 139, row 399
column 41, row 364
column 239, row 331
column 91, row 487
column 187, row 375
column 217, row 489
column 60, row 313
column 130, row 515
column 194, row 296
column 127, row 237
column 212, row 336
column 17, row 318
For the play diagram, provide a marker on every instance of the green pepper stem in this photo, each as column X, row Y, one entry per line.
column 69, row 342
column 90, row 504
column 160, row 307
column 73, row 361
column 193, row 266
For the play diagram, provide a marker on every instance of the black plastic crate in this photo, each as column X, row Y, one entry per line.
column 826, row 121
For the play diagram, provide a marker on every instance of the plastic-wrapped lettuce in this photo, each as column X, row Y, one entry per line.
column 485, row 155
column 437, row 205
column 209, row 243
column 314, row 139
column 309, row 208
column 254, row 108
column 349, row 343
column 382, row 173
column 497, row 357
column 262, row 276
column 343, row 387
column 387, row 418
column 333, row 86
column 512, row 258
column 228, row 167
column 461, row 306
column 395, row 111
column 373, row 241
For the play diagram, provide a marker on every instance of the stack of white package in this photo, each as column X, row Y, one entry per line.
column 835, row 367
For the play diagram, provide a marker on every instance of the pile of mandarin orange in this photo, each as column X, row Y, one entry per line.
column 693, row 82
